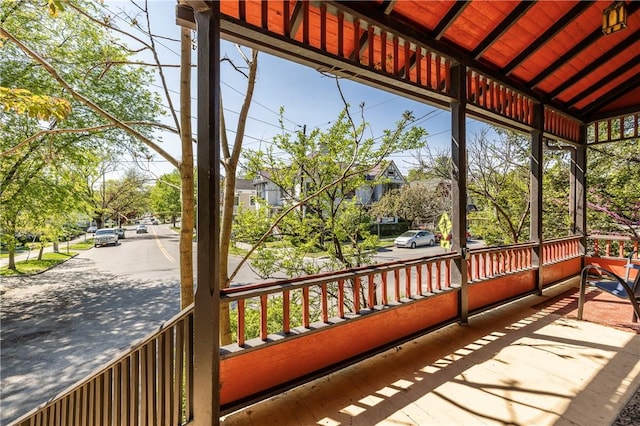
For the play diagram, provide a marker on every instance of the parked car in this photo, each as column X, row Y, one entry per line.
column 105, row 236
column 92, row 229
column 154, row 221
column 120, row 232
column 415, row 238
column 141, row 229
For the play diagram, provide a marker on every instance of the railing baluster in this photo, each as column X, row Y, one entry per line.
column 371, row 291
column 286, row 311
column 356, row 295
column 407, row 282
column 396, row 284
column 385, row 294
column 325, row 303
column 263, row 317
column 341, row 298
column 305, row 307
column 241, row 322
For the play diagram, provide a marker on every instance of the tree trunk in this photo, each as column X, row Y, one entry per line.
column 231, row 158
column 186, row 174
column 40, row 252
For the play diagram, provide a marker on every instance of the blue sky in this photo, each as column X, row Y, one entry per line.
column 308, row 97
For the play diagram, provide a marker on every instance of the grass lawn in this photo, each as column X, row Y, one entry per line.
column 34, row 266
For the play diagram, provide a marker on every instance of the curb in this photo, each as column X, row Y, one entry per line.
column 32, row 274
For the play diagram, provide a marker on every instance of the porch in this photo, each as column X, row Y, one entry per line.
column 387, row 346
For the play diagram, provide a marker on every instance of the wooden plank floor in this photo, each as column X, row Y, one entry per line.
column 511, row 366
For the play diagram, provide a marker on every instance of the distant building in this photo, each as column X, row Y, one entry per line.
column 392, row 179
column 268, row 191
column 245, row 195
column 366, row 195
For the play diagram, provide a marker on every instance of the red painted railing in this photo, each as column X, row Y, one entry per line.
column 560, row 249
column 488, row 263
column 338, row 295
column 612, row 246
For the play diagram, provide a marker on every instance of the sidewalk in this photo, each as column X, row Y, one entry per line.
column 33, row 253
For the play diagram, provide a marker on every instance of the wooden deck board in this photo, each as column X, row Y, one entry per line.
column 513, row 365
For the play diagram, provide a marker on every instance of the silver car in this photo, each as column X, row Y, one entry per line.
column 105, row 236
column 415, row 238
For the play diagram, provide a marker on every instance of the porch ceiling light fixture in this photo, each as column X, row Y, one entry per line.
column 614, row 18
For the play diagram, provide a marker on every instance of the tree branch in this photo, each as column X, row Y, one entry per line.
column 82, row 99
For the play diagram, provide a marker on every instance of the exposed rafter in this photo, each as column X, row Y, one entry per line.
column 506, row 24
column 456, row 9
column 547, row 35
column 583, row 45
column 604, row 80
column 606, row 57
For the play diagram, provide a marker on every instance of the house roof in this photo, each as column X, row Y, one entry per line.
column 514, row 53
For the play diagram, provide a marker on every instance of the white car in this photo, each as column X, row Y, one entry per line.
column 105, row 236
column 415, row 238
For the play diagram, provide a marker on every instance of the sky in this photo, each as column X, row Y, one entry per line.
column 308, row 97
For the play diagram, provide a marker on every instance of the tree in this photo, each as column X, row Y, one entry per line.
column 38, row 166
column 230, row 160
column 319, row 173
column 612, row 197
column 499, row 184
column 165, row 196
column 419, row 202
column 127, row 197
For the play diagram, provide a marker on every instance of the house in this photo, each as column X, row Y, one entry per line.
column 386, row 176
column 267, row 190
column 245, row 195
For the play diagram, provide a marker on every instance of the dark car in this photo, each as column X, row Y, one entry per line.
column 120, row 232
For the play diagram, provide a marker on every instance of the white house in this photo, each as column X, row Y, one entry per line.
column 391, row 179
column 245, row 195
column 366, row 195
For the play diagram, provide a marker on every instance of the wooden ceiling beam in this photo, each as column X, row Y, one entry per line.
column 604, row 80
column 612, row 95
column 584, row 44
column 456, row 10
column 606, row 57
column 504, row 26
column 547, row 35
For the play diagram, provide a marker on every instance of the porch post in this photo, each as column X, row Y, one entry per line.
column 459, row 185
column 207, row 298
column 536, row 192
column 579, row 170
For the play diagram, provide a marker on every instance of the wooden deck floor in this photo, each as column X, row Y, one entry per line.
column 517, row 365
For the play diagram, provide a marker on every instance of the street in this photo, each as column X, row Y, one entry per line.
column 59, row 326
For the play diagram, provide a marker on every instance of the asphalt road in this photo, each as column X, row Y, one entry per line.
column 59, row 326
